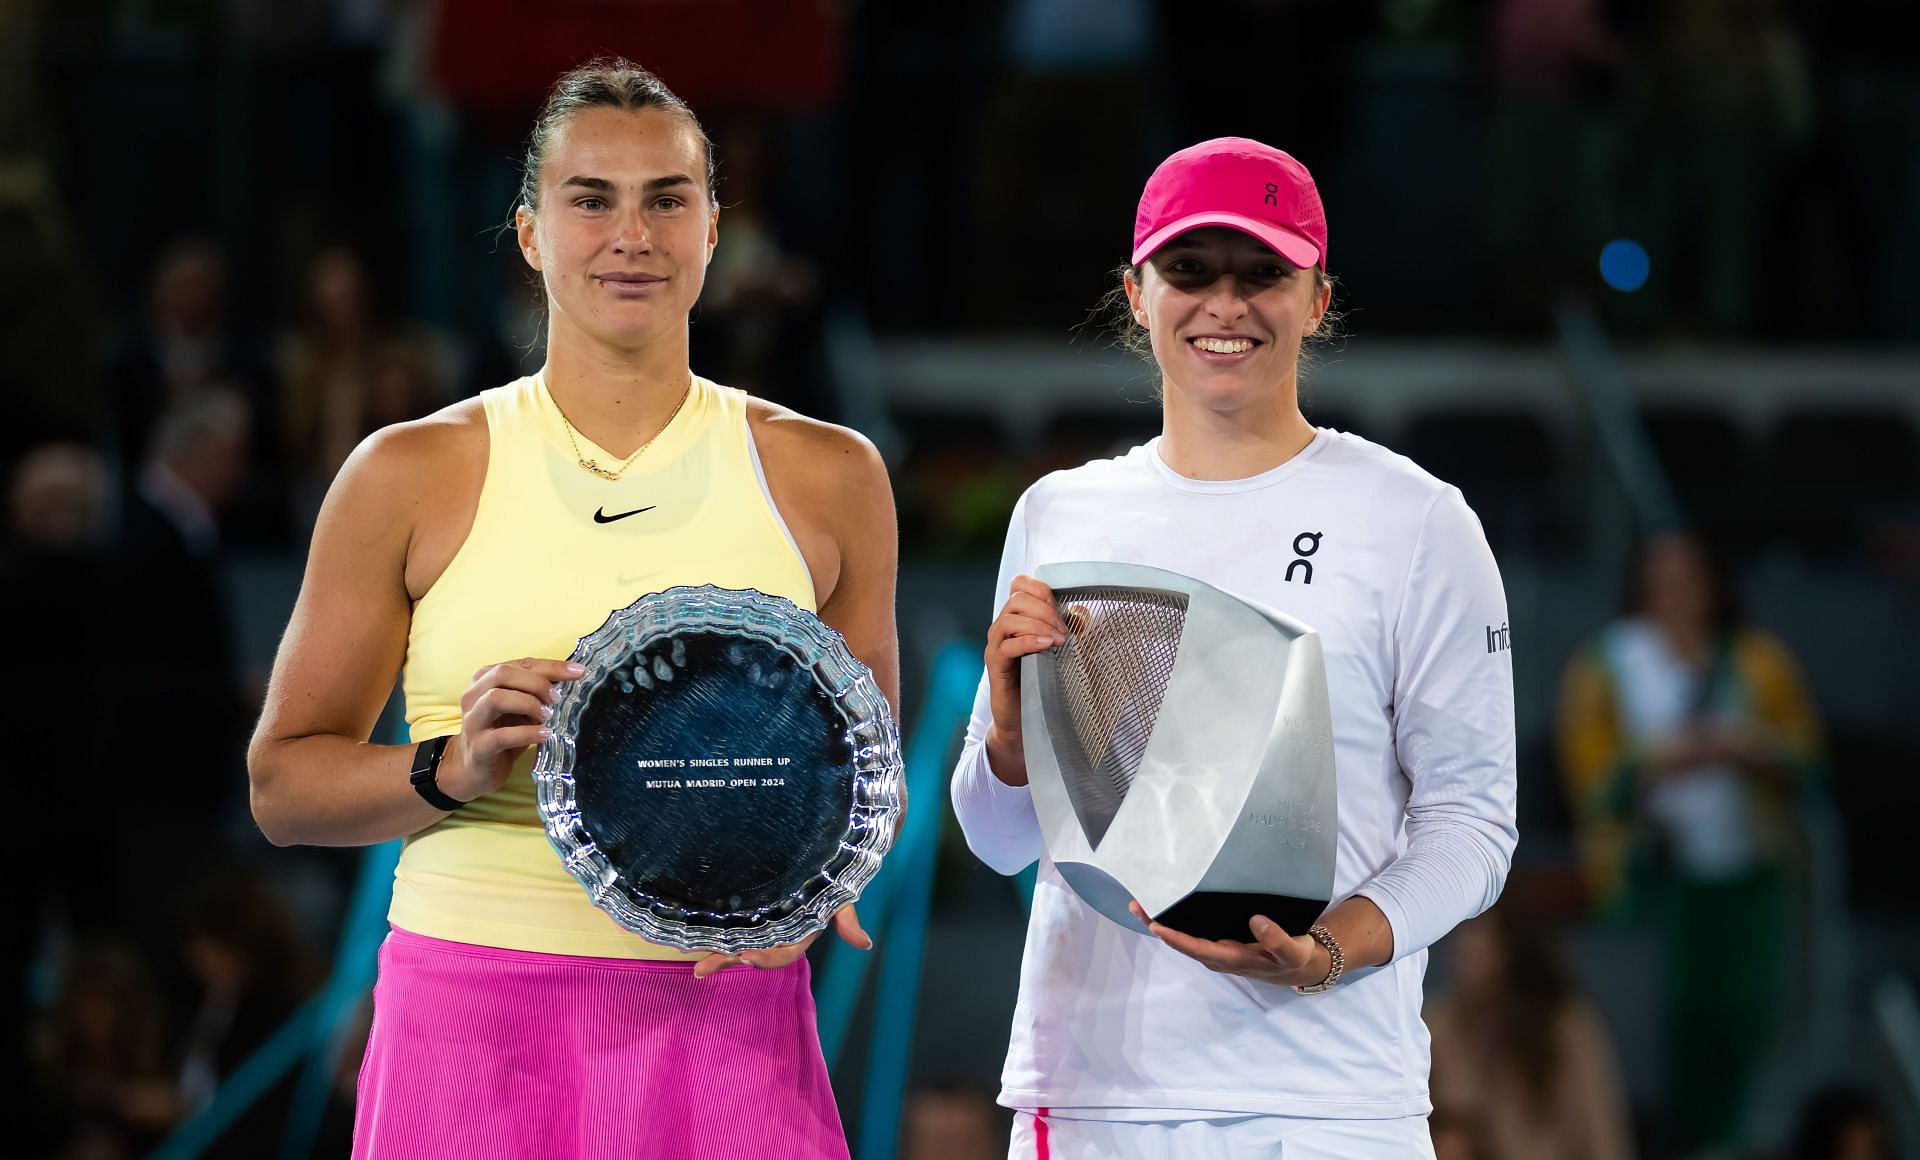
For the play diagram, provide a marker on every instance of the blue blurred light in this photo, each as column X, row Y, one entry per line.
column 1624, row 265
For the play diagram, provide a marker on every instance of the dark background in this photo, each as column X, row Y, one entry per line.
column 295, row 210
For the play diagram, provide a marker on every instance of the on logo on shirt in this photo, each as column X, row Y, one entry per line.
column 1305, row 544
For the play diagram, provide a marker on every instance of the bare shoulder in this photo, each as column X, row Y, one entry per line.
column 445, row 441
column 407, row 465
column 831, row 485
column 406, row 496
column 820, row 456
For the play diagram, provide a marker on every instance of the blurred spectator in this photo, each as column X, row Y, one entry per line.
column 56, row 504
column 759, row 321
column 953, row 1120
column 325, row 365
column 184, row 715
column 404, row 383
column 1844, row 1123
column 345, row 373
column 1523, row 1068
column 49, row 324
column 1725, row 106
column 101, row 1059
column 181, row 350
column 1686, row 739
column 252, row 969
column 1552, row 137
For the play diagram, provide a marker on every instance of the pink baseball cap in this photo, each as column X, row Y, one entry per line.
column 1237, row 183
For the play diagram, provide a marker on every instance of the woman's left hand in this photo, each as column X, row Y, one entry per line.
column 845, row 923
column 1291, row 960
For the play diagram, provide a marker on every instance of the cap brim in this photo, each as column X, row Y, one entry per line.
column 1295, row 248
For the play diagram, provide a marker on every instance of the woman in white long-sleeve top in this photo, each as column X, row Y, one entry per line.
column 1127, row 1044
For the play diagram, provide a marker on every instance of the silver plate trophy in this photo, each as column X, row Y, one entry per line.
column 725, row 775
column 1180, row 749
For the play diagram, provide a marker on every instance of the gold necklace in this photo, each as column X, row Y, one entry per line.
column 593, row 465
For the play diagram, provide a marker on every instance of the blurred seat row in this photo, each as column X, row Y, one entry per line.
column 1816, row 479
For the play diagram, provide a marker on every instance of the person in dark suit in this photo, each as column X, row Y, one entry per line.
column 178, row 706
column 180, row 350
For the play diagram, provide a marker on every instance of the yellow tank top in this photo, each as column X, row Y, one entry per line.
column 552, row 551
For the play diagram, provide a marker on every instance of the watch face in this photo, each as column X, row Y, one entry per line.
column 725, row 775
column 426, row 758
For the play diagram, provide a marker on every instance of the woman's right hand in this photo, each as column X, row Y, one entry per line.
column 1028, row 623
column 503, row 712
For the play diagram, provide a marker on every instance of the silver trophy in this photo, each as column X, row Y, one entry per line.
column 725, row 775
column 1180, row 750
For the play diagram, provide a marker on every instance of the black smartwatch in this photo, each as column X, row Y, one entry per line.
column 426, row 764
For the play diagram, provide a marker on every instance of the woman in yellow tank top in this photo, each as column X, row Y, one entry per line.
column 468, row 550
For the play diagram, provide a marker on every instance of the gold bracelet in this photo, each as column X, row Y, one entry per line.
column 1324, row 937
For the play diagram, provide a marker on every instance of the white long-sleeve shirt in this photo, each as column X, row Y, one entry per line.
column 1393, row 570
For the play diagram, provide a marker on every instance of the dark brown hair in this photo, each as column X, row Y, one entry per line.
column 1725, row 612
column 609, row 82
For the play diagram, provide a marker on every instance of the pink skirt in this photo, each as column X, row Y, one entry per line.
column 478, row 1052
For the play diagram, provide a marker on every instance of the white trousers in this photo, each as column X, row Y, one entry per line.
column 1048, row 1137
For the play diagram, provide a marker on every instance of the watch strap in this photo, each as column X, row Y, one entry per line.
column 426, row 767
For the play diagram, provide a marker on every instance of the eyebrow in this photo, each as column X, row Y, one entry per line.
column 602, row 185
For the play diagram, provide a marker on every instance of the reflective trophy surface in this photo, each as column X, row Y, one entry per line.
column 725, row 775
column 1180, row 750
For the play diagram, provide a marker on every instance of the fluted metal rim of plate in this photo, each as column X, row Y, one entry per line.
column 773, row 620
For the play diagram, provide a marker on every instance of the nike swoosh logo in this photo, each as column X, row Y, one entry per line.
column 600, row 515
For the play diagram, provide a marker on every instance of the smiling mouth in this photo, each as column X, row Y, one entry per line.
column 1224, row 345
